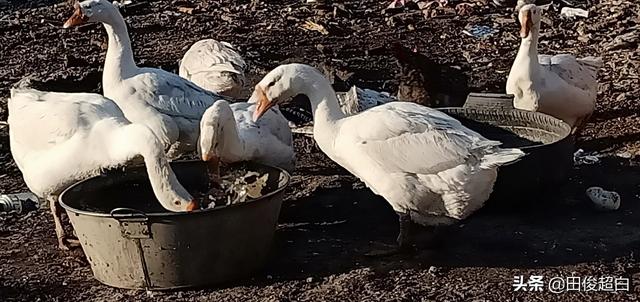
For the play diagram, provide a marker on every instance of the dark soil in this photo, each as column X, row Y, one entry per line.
column 330, row 220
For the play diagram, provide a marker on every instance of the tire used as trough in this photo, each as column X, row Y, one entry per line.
column 546, row 140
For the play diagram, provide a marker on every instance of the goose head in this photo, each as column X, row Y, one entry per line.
column 90, row 11
column 281, row 84
column 215, row 121
column 529, row 17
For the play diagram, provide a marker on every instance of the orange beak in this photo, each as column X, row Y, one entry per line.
column 192, row 206
column 210, row 157
column 76, row 19
column 262, row 104
column 526, row 25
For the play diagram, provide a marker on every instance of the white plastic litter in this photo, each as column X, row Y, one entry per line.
column 120, row 4
column 582, row 158
column 604, row 200
column 398, row 3
column 571, row 12
column 625, row 154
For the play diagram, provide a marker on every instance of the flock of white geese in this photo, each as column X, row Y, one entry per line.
column 426, row 164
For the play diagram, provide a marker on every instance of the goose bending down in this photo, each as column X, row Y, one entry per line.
column 60, row 138
column 168, row 104
column 428, row 166
column 215, row 66
column 228, row 133
column 561, row 85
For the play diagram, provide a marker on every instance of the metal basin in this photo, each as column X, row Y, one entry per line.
column 132, row 242
column 545, row 139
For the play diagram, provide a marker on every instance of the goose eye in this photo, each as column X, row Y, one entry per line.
column 271, row 84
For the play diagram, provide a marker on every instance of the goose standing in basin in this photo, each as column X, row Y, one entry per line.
column 426, row 164
column 58, row 139
column 215, row 66
column 228, row 134
column 561, row 85
column 168, row 104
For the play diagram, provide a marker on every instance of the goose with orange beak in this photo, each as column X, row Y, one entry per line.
column 562, row 85
column 429, row 167
column 61, row 138
column 228, row 133
column 168, row 104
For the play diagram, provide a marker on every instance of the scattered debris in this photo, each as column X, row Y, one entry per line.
column 581, row 158
column 627, row 40
column 464, row 9
column 186, row 10
column 312, row 26
column 604, row 200
column 235, row 187
column 571, row 12
column 479, row 31
column 504, row 2
column 434, row 270
column 624, row 154
column 398, row 4
column 171, row 13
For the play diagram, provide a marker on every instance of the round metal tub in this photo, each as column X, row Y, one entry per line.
column 545, row 139
column 132, row 242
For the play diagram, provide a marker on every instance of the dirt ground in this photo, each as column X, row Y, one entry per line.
column 329, row 219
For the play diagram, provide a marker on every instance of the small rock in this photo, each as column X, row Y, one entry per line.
column 309, row 279
column 434, row 270
column 604, row 200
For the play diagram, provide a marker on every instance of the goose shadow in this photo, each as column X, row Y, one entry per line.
column 330, row 231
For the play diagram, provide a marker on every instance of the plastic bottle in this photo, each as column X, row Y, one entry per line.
column 19, row 202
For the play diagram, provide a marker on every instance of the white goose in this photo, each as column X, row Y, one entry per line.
column 561, row 85
column 60, row 138
column 357, row 100
column 353, row 102
column 228, row 133
column 430, row 168
column 215, row 66
column 168, row 104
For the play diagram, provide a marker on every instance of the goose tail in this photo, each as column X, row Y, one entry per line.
column 502, row 157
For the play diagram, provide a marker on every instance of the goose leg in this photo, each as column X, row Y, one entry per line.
column 213, row 168
column 403, row 240
column 63, row 242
